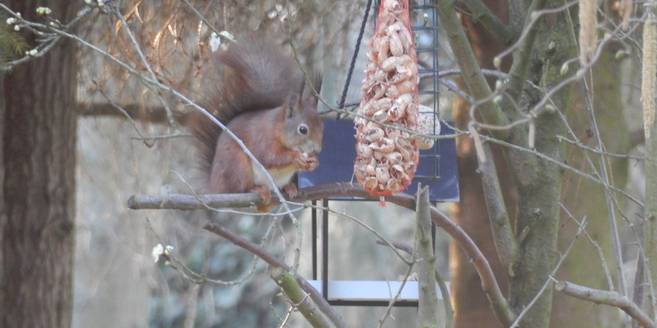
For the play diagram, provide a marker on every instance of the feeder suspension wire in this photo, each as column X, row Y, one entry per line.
column 343, row 98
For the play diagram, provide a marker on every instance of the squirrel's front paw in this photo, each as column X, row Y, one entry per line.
column 306, row 162
column 291, row 190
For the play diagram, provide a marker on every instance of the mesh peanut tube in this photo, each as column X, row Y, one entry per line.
column 386, row 156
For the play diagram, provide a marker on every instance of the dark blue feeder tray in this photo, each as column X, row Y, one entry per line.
column 437, row 168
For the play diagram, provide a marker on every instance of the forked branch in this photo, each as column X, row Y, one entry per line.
column 312, row 305
column 482, row 266
column 606, row 297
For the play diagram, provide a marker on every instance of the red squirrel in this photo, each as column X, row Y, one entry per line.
column 259, row 97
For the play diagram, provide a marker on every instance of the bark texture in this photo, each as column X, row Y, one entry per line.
column 38, row 125
column 539, row 181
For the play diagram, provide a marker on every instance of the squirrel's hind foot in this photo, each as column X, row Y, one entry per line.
column 265, row 195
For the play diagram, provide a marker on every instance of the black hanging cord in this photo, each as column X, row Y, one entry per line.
column 353, row 58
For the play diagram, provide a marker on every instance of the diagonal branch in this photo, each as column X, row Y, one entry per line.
column 296, row 288
column 503, row 237
column 522, row 57
column 482, row 14
column 300, row 299
column 474, row 79
column 599, row 296
column 490, row 114
column 444, row 291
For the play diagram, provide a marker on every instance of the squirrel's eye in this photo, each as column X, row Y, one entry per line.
column 303, row 129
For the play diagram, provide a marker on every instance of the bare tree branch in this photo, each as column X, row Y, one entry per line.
column 447, row 300
column 482, row 14
column 606, row 297
column 489, row 112
column 299, row 298
column 482, row 266
column 394, row 299
column 521, row 58
column 444, row 291
column 46, row 41
column 426, row 265
column 503, row 236
column 286, row 284
column 137, row 112
column 192, row 202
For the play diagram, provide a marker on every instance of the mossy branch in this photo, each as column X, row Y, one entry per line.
column 296, row 288
column 427, row 296
column 299, row 298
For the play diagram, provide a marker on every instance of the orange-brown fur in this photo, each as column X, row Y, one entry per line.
column 258, row 131
column 259, row 98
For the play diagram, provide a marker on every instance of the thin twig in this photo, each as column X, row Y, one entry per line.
column 172, row 122
column 394, row 299
column 527, row 307
column 46, row 43
column 277, row 263
column 596, row 245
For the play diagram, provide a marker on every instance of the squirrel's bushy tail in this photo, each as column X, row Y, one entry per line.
column 248, row 75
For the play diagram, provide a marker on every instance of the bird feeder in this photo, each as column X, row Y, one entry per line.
column 436, row 167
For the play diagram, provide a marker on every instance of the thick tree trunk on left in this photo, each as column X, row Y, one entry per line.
column 37, row 208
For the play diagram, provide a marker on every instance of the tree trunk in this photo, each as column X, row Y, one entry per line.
column 534, row 204
column 539, row 181
column 37, row 159
column 584, row 198
column 471, row 307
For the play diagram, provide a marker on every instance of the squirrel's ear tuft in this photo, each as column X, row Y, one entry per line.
column 314, row 100
column 293, row 102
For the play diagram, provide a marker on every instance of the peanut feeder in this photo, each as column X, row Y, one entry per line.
column 386, row 153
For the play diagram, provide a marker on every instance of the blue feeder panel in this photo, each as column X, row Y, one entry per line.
column 437, row 167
